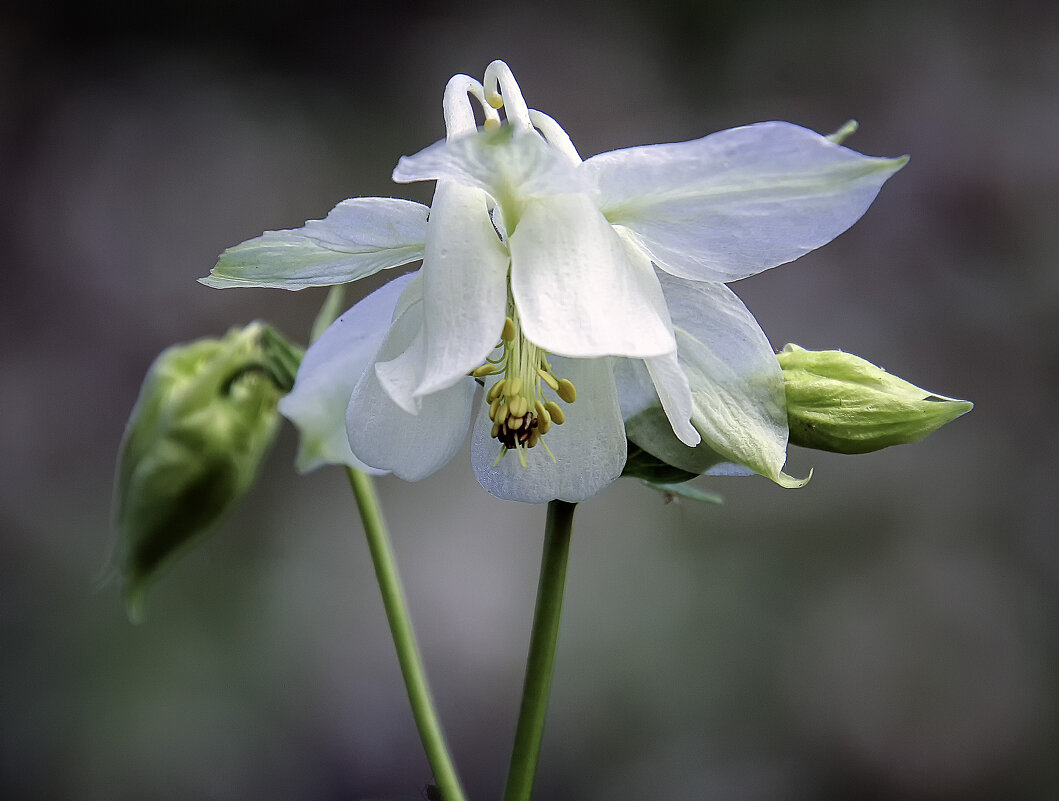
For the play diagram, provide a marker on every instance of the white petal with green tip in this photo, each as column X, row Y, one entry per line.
column 736, row 382
column 358, row 238
column 737, row 202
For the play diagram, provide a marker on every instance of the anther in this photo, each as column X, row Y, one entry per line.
column 483, row 370
column 495, row 390
column 566, row 390
column 508, row 334
column 548, row 379
column 556, row 414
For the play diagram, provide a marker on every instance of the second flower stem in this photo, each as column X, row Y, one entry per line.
column 404, row 639
column 537, row 686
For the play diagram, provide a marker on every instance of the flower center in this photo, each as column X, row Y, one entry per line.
column 518, row 404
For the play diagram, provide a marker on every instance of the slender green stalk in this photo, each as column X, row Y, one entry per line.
column 404, row 639
column 535, row 691
column 329, row 311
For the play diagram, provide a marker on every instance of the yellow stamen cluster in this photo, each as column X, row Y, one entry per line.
column 518, row 407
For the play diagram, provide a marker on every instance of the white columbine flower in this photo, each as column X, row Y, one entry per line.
column 542, row 273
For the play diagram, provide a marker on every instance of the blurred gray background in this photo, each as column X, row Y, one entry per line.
column 888, row 632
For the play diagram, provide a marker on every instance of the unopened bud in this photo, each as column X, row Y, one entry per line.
column 203, row 422
column 839, row 402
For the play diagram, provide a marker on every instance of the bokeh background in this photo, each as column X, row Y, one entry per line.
column 888, row 632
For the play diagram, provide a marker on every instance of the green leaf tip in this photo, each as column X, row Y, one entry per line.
column 673, row 491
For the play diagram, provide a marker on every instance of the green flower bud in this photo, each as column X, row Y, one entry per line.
column 839, row 402
column 205, row 418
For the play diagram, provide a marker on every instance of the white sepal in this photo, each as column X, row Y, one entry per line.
column 737, row 202
column 358, row 238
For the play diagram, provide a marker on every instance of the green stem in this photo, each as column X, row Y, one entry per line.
column 535, row 691
column 404, row 637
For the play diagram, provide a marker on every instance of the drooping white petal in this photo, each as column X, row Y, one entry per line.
column 329, row 370
column 736, row 382
column 507, row 163
column 674, row 392
column 648, row 426
column 358, row 238
column 580, row 289
column 387, row 437
column 589, row 447
column 739, row 201
column 465, row 283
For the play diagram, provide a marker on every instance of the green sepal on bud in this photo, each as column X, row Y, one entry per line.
column 201, row 427
column 841, row 403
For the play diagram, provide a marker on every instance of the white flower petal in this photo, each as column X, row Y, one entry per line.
column 589, row 447
column 400, row 375
column 465, row 280
column 387, row 437
column 358, row 238
column 739, row 201
column 648, row 426
column 329, row 370
column 674, row 392
column 580, row 289
column 509, row 162
column 736, row 381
